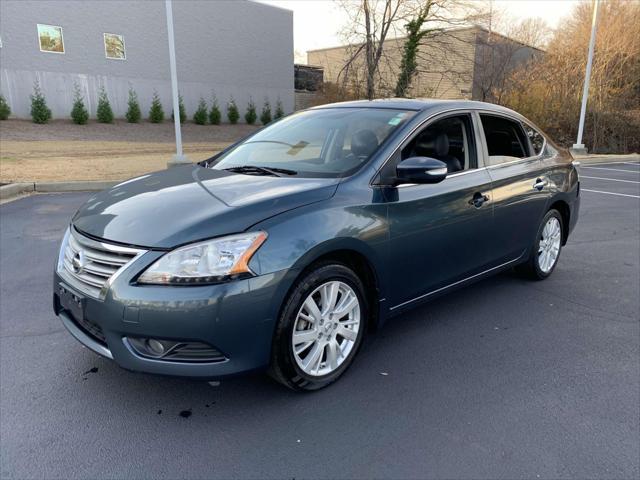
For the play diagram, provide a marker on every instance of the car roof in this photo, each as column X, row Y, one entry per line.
column 418, row 104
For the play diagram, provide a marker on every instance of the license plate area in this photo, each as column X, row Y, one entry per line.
column 71, row 301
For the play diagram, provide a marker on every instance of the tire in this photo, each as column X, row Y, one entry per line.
column 539, row 267
column 333, row 281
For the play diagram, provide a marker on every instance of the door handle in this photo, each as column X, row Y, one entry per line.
column 478, row 199
column 540, row 184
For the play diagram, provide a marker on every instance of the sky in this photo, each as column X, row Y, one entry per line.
column 316, row 23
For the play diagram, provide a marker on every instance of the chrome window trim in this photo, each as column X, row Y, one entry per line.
column 513, row 119
column 481, row 143
column 409, row 134
column 453, row 175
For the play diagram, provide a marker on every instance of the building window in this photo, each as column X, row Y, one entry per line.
column 50, row 38
column 114, row 46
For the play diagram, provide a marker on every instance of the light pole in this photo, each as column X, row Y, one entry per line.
column 578, row 147
column 178, row 158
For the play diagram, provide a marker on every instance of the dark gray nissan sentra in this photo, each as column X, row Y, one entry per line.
column 282, row 251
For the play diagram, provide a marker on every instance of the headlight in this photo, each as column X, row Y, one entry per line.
column 205, row 262
column 63, row 247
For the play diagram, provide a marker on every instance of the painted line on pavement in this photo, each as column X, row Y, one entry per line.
column 611, row 179
column 612, row 169
column 610, row 193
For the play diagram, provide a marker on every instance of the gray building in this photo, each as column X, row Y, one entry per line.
column 234, row 48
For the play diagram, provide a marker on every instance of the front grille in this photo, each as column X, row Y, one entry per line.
column 88, row 264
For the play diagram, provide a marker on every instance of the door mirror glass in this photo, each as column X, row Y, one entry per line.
column 420, row 170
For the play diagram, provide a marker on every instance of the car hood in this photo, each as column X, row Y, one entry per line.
column 191, row 203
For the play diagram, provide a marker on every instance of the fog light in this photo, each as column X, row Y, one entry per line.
column 155, row 346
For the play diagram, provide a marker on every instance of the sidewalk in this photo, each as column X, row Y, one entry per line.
column 598, row 158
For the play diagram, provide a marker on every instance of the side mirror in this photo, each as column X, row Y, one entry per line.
column 420, row 170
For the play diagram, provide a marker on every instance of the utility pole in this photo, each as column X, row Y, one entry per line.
column 178, row 158
column 578, row 147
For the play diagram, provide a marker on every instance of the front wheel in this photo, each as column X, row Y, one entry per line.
column 546, row 249
column 320, row 328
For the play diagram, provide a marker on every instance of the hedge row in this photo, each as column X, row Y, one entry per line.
column 41, row 113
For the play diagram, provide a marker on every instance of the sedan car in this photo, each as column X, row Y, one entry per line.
column 283, row 251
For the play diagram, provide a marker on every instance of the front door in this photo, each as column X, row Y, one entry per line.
column 439, row 233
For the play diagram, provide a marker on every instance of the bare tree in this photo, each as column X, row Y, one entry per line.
column 370, row 23
column 550, row 93
column 373, row 48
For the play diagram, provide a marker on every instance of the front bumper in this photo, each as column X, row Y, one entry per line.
column 237, row 318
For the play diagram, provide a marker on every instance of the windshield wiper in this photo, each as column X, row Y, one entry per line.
column 276, row 172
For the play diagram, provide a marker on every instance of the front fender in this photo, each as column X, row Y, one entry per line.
column 299, row 237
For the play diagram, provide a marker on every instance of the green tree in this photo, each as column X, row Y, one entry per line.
column 214, row 114
column 40, row 112
column 251, row 116
column 232, row 112
column 104, row 113
column 408, row 64
column 181, row 109
column 279, row 113
column 134, row 114
column 200, row 117
column 265, row 116
column 5, row 109
column 156, row 113
column 79, row 113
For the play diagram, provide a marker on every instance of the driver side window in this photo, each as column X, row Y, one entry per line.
column 449, row 140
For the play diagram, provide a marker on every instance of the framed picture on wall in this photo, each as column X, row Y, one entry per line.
column 114, row 46
column 50, row 38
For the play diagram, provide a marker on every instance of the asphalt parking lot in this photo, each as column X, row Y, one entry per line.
column 504, row 379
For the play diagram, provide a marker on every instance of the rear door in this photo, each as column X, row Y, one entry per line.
column 439, row 233
column 520, row 183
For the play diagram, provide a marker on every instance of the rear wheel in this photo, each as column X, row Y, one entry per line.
column 546, row 249
column 320, row 328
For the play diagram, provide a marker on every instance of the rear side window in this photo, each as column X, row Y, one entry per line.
column 506, row 139
column 535, row 137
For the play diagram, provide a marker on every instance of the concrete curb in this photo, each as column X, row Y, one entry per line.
column 14, row 190
column 54, row 187
column 586, row 159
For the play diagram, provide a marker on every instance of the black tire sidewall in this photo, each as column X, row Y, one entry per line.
column 283, row 362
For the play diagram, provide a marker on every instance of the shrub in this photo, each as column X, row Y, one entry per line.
column 79, row 113
column 214, row 113
column 265, row 116
column 5, row 109
column 232, row 112
column 251, row 116
column 181, row 109
column 104, row 113
column 279, row 110
column 200, row 117
column 156, row 113
column 134, row 114
column 40, row 113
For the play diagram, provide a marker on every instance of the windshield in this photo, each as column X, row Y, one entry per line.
column 332, row 142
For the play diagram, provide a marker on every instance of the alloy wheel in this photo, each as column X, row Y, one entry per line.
column 549, row 245
column 326, row 328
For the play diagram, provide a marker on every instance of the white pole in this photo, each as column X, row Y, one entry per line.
column 179, row 158
column 579, row 146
